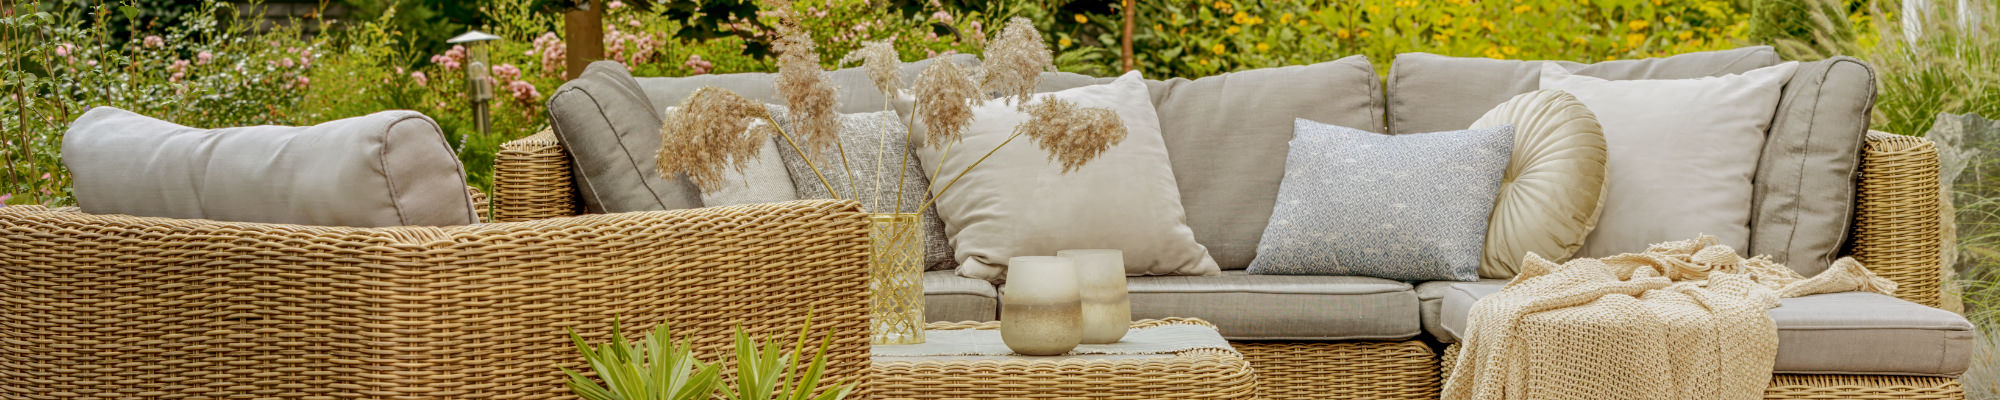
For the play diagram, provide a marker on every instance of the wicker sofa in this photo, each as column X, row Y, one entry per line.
column 107, row 306
column 1895, row 231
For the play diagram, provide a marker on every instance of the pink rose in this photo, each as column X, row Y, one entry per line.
column 286, row 62
column 154, row 41
column 203, row 57
column 303, row 81
column 420, row 78
column 63, row 50
column 942, row 16
column 614, row 4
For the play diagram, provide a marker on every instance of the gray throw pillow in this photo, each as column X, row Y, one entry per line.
column 612, row 133
column 1410, row 207
column 390, row 168
column 874, row 141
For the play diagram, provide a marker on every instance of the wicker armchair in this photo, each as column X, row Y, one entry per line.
column 103, row 306
column 1896, row 232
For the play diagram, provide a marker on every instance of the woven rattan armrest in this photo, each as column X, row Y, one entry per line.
column 1897, row 226
column 531, row 180
column 109, row 306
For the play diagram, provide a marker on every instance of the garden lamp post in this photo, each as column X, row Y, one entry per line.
column 478, row 82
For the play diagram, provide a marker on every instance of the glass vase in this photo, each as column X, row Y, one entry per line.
column 896, row 279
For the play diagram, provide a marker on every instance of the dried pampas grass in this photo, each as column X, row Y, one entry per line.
column 1014, row 61
column 1072, row 135
column 711, row 131
column 805, row 89
column 880, row 60
column 945, row 96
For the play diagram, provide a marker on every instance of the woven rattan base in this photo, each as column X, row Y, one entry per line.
column 1197, row 374
column 1787, row 386
column 1343, row 370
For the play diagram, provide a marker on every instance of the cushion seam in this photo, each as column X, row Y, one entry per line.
column 1792, row 234
column 1854, row 171
column 382, row 157
column 595, row 195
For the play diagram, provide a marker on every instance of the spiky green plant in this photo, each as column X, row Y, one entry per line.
column 655, row 369
column 770, row 373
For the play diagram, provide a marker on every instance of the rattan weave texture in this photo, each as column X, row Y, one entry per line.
column 1828, row 387
column 1343, row 370
column 101, row 307
column 531, row 180
column 1896, row 223
column 1196, row 374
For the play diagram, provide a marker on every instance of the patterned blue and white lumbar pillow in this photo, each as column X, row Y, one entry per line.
column 1409, row 207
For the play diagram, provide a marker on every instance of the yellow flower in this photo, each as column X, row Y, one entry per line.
column 1361, row 34
column 1638, row 25
column 1445, row 21
column 1158, row 27
column 1374, row 9
column 1218, row 48
column 1263, row 47
column 1440, row 38
column 1302, row 23
column 1285, row 19
column 1232, row 30
column 1510, row 50
column 1493, row 53
column 1523, row 9
column 1064, row 42
column 1240, row 18
column 1634, row 40
column 1082, row 19
column 1670, row 20
column 1340, row 33
column 1685, row 35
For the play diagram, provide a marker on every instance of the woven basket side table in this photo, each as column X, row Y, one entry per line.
column 1192, row 374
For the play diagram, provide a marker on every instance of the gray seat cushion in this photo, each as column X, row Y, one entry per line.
column 1245, row 306
column 1836, row 333
column 952, row 298
column 1430, row 302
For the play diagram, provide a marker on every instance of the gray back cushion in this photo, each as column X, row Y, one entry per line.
column 391, row 168
column 857, row 94
column 1804, row 186
column 1227, row 136
column 612, row 133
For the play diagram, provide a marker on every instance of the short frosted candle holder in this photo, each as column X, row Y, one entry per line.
column 1040, row 313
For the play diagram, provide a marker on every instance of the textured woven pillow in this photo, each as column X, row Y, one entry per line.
column 1554, row 186
column 1408, row 207
column 874, row 142
column 390, row 168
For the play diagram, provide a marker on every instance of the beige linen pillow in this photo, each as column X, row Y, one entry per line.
column 1554, row 186
column 1019, row 203
column 1682, row 153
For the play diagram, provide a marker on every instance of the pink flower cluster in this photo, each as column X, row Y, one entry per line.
column 452, row 59
column 630, row 48
column 524, row 93
column 180, row 69
column 506, row 73
column 699, row 65
column 154, row 41
column 553, row 51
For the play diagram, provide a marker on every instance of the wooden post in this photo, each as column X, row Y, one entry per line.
column 1126, row 40
column 583, row 37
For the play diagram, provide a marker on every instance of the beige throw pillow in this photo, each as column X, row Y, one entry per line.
column 1554, row 186
column 1682, row 153
column 1019, row 203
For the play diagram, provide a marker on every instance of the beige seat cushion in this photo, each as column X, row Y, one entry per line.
column 1554, row 185
column 1018, row 202
column 1274, row 307
column 391, row 168
column 1838, row 333
column 1229, row 135
column 952, row 298
column 1430, row 303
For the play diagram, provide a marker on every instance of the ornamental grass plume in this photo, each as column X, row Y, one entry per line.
column 709, row 132
column 1071, row 135
column 945, row 96
column 1015, row 60
column 880, row 60
column 805, row 89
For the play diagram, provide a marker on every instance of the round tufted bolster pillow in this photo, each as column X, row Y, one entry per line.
column 1554, row 185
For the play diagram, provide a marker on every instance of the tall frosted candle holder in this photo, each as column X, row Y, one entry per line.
column 1100, row 273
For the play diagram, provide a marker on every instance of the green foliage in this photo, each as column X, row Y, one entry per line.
column 1805, row 29
column 652, row 369
column 1944, row 67
column 657, row 369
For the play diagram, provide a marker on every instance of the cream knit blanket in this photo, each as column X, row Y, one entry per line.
column 1682, row 320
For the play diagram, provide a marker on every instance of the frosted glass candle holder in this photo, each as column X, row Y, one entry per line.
column 1040, row 313
column 1100, row 278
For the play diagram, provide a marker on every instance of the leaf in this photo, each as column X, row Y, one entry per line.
column 129, row 11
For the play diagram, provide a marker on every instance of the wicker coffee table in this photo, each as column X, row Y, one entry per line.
column 1190, row 374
